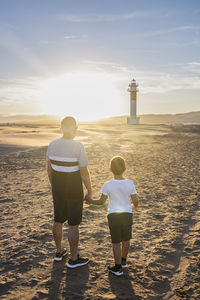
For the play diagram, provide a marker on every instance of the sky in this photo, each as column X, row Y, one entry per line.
column 77, row 57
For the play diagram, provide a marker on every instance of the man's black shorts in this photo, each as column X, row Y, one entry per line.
column 120, row 225
column 67, row 191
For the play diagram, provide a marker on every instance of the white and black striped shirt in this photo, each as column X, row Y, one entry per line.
column 66, row 155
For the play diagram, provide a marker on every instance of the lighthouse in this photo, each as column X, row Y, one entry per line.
column 133, row 89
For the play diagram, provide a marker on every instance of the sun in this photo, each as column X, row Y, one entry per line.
column 85, row 95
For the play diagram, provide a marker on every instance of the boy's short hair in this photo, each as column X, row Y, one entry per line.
column 68, row 124
column 117, row 165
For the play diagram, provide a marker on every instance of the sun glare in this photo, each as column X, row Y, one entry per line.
column 86, row 95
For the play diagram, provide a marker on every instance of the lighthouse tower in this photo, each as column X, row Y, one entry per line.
column 133, row 89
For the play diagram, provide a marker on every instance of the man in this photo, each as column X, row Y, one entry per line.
column 67, row 169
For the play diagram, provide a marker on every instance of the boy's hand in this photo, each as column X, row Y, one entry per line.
column 134, row 199
column 133, row 207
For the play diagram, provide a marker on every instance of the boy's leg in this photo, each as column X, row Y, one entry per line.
column 126, row 235
column 117, row 253
column 73, row 238
column 125, row 248
column 57, row 234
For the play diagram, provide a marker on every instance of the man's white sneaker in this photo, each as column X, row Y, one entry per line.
column 78, row 262
column 116, row 270
column 60, row 255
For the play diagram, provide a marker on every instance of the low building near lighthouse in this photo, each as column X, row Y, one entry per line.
column 133, row 89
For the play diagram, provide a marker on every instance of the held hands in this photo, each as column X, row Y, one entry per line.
column 88, row 198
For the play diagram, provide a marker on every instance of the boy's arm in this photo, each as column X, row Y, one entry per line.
column 86, row 180
column 101, row 201
column 134, row 199
column 49, row 171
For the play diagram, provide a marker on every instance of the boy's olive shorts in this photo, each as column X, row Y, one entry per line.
column 120, row 225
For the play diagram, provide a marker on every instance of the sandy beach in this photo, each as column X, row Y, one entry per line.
column 164, row 260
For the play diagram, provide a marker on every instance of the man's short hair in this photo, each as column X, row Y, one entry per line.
column 117, row 165
column 68, row 124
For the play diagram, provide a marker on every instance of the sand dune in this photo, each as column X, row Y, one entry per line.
column 184, row 118
column 190, row 117
column 164, row 260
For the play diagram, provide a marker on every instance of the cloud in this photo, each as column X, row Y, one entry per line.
column 167, row 31
column 10, row 41
column 26, row 92
column 72, row 37
column 107, row 66
column 66, row 37
column 195, row 42
column 48, row 42
column 194, row 63
column 196, row 12
column 166, row 82
column 69, row 37
column 18, row 91
column 152, row 81
column 93, row 18
column 193, row 67
column 5, row 25
column 186, row 69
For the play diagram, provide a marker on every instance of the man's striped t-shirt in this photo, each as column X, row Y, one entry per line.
column 66, row 155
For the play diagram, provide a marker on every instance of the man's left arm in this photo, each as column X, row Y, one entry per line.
column 86, row 180
column 49, row 171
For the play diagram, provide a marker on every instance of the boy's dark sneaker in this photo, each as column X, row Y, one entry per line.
column 124, row 263
column 117, row 270
column 78, row 262
column 60, row 255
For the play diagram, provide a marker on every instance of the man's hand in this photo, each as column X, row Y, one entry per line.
column 88, row 197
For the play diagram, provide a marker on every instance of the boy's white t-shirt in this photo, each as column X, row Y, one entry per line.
column 119, row 192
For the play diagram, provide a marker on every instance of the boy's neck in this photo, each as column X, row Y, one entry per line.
column 118, row 177
column 69, row 135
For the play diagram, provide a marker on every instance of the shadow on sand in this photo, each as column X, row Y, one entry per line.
column 57, row 274
column 67, row 283
column 122, row 287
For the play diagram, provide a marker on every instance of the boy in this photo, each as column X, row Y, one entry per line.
column 67, row 169
column 120, row 191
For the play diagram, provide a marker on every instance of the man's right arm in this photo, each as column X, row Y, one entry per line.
column 86, row 180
